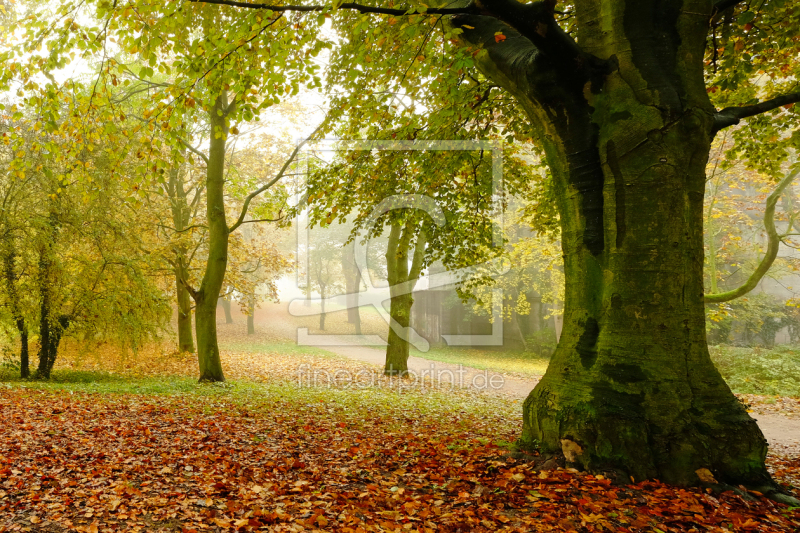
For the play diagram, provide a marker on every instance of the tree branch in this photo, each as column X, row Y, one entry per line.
column 730, row 116
column 469, row 9
column 193, row 149
column 419, row 255
column 722, row 5
column 274, row 180
column 264, row 220
column 772, row 246
column 184, row 229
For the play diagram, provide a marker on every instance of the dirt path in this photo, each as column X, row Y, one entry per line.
column 782, row 432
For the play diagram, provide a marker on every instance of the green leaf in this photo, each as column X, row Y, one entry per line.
column 747, row 16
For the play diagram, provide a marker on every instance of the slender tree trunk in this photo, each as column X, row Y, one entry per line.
column 251, row 316
column 402, row 279
column 322, row 303
column 226, row 307
column 57, row 330
column 352, row 284
column 9, row 272
column 43, row 370
column 518, row 327
column 180, row 218
column 627, row 126
column 24, row 358
column 185, row 337
column 45, row 318
column 206, row 297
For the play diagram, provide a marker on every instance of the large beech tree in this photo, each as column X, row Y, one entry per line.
column 617, row 96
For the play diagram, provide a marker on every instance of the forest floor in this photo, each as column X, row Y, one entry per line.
column 500, row 373
column 300, row 438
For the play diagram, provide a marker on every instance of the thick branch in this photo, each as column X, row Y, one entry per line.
column 471, row 8
column 772, row 246
column 419, row 256
column 730, row 116
column 274, row 180
column 722, row 5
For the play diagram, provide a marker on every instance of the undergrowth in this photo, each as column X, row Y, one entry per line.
column 759, row 370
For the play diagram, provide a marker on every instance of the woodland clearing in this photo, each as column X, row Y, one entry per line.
column 135, row 444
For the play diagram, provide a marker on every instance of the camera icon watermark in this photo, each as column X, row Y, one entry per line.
column 376, row 295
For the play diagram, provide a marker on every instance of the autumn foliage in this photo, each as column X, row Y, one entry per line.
column 86, row 462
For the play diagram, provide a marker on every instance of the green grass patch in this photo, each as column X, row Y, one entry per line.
column 513, row 362
column 758, row 370
column 283, row 347
column 353, row 406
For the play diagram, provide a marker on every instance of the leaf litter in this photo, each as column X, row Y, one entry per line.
column 285, row 461
column 89, row 462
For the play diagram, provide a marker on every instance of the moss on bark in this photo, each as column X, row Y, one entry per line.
column 626, row 125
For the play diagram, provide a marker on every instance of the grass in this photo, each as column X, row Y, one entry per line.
column 511, row 362
column 759, row 370
column 285, row 347
column 352, row 405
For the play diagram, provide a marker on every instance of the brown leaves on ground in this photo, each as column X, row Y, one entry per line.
column 784, row 406
column 95, row 463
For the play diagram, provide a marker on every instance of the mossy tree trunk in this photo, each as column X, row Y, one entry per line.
column 51, row 325
column 185, row 337
column 627, row 127
column 10, row 277
column 181, row 216
column 402, row 279
column 207, row 295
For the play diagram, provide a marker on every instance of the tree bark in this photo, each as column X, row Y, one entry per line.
column 24, row 357
column 322, row 304
column 185, row 337
column 206, row 297
column 251, row 316
column 47, row 322
column 518, row 328
column 398, row 349
column 56, row 333
column 627, row 126
column 226, row 307
column 181, row 215
column 402, row 279
column 9, row 271
column 43, row 370
column 352, row 284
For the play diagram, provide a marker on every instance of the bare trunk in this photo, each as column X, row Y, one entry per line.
column 185, row 337
column 180, row 218
column 226, row 307
column 206, row 297
column 9, row 274
column 251, row 315
column 322, row 303
column 352, row 285
column 402, row 279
